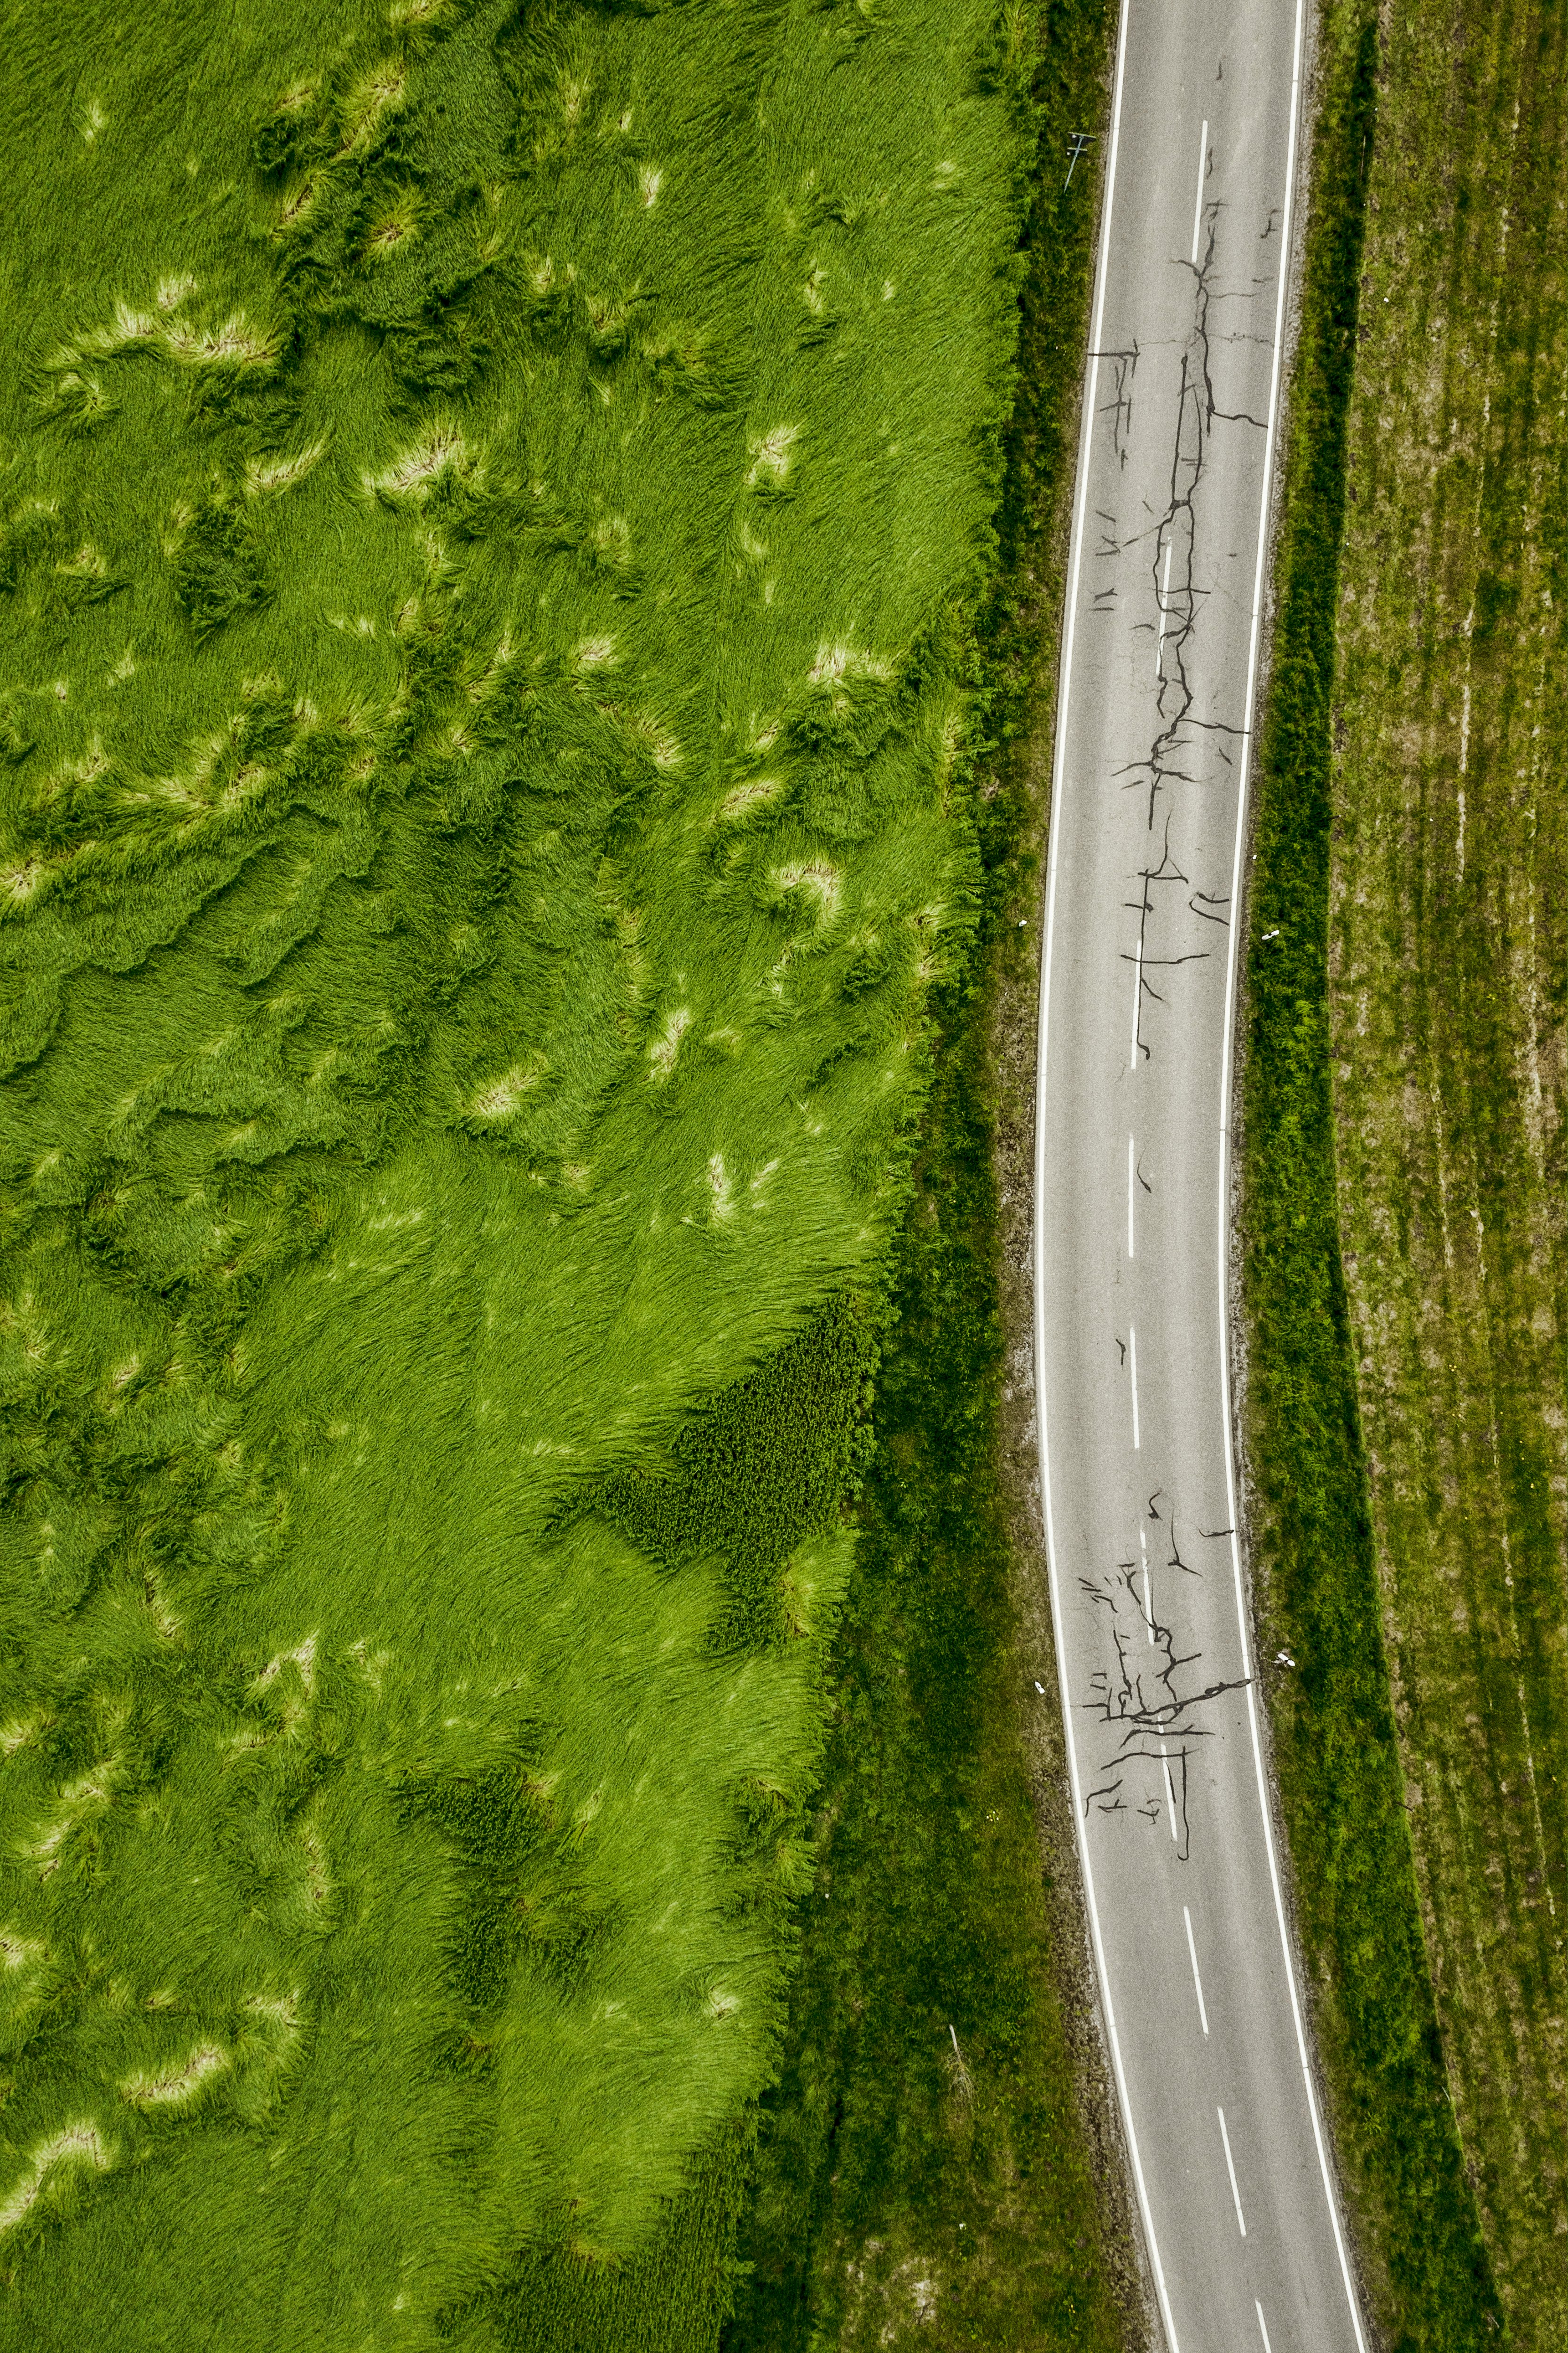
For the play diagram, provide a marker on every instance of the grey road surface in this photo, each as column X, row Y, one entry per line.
column 1154, row 1642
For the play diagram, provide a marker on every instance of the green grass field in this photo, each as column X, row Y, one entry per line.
column 493, row 510
column 1404, row 1155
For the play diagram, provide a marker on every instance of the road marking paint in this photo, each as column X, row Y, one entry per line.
column 1263, row 2325
column 1223, row 1203
column 1198, row 199
column 1230, row 2169
column 1086, row 435
column 1148, row 1587
column 1131, row 1163
column 1197, row 1981
column 1171, row 1801
column 1164, row 609
column 1132, row 1360
column 1059, row 804
column 1137, row 998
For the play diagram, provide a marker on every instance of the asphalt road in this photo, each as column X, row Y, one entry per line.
column 1153, row 1634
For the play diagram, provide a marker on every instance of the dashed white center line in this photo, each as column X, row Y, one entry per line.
column 1230, row 2169
column 1148, row 1587
column 1130, row 1168
column 1263, row 2326
column 1133, row 1361
column 1164, row 609
column 1197, row 1981
column 1137, row 998
column 1171, row 1803
column 1198, row 199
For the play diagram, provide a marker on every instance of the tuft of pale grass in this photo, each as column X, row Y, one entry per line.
column 265, row 474
column 771, row 455
column 238, row 342
column 80, row 2143
column 173, row 2087
column 741, row 799
column 666, row 1047
column 302, row 1656
column 128, row 327
column 838, row 660
column 501, row 1099
column 379, row 92
column 721, row 1189
column 816, row 875
column 663, row 743
column 395, row 230
column 20, row 882
column 279, row 2012
column 441, row 450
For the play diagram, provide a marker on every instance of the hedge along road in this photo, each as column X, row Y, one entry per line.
column 1138, row 993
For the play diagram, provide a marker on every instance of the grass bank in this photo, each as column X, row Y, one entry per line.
column 1342, row 1773
column 925, row 2174
column 1448, row 993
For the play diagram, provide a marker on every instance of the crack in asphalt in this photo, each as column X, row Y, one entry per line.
column 1156, row 1723
column 1179, row 599
column 1145, row 1695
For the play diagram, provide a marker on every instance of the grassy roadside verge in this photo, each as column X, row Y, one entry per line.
column 1339, row 1767
column 1447, row 965
column 925, row 2176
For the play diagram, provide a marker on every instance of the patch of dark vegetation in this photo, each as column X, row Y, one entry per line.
column 219, row 570
column 673, row 2299
column 769, row 1465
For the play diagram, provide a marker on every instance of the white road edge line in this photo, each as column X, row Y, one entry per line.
column 1086, row 432
column 1132, row 1360
column 1230, row 2169
column 1263, row 2325
column 1198, row 199
column 1131, row 1165
column 1225, row 1188
column 1193, row 1955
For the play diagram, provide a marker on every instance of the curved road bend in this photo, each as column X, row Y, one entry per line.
column 1165, row 575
